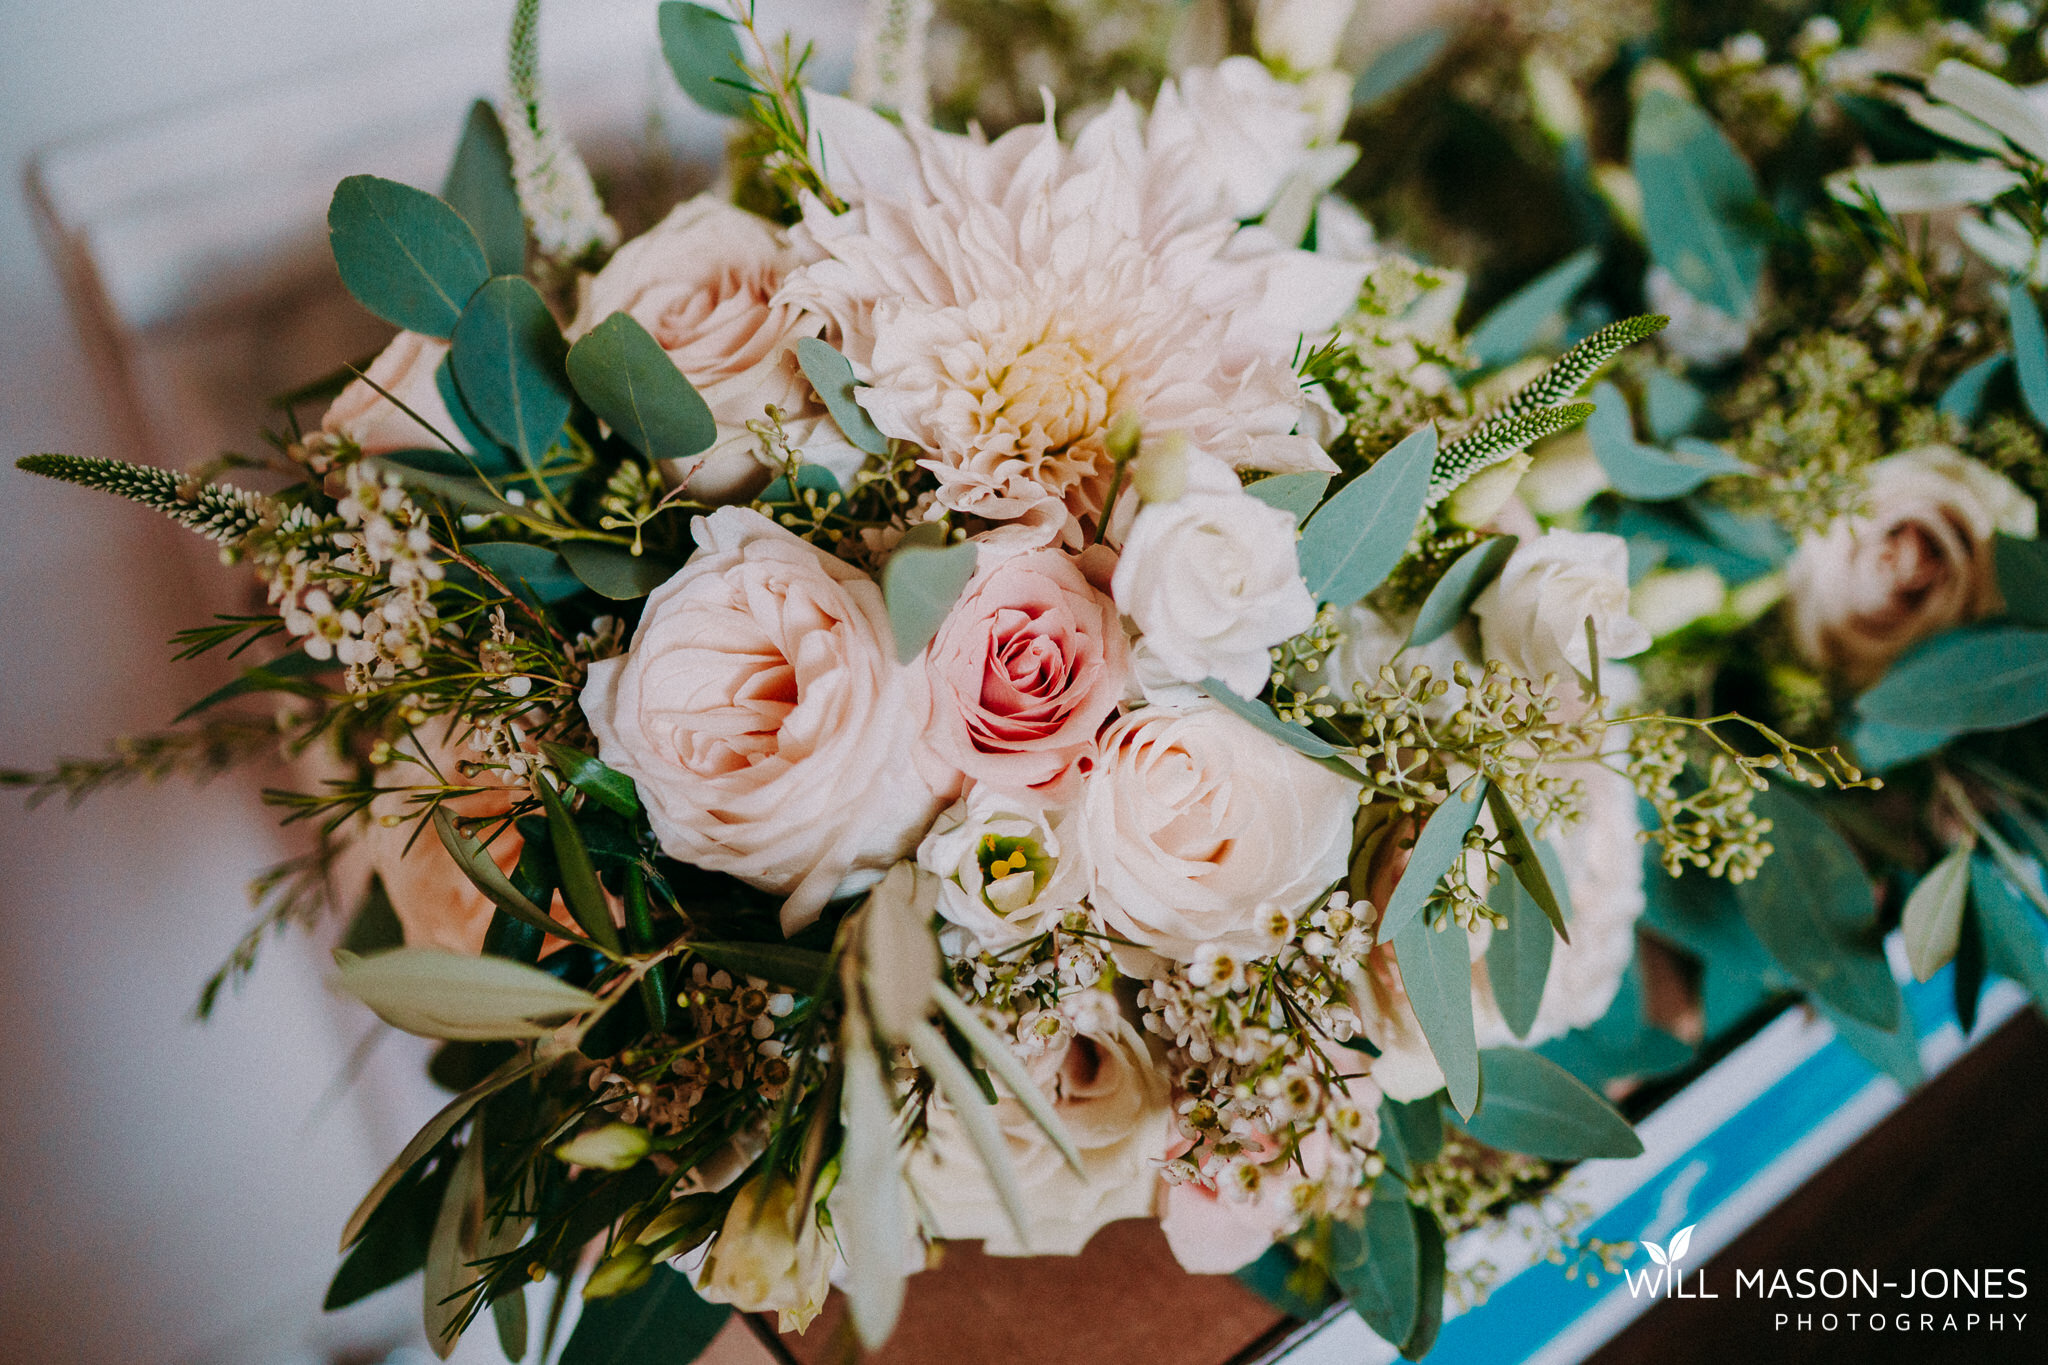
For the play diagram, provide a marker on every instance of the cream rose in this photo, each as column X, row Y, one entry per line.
column 770, row 1255
column 703, row 282
column 1533, row 617
column 1212, row 581
column 1111, row 1096
column 1301, row 35
column 405, row 370
column 762, row 713
column 1198, row 827
column 1010, row 868
column 1917, row 562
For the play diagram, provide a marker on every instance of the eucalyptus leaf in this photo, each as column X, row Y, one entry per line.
column 1979, row 678
column 1519, row 321
column 437, row 1128
column 703, row 51
column 481, row 188
column 1880, row 747
column 2029, row 348
column 1436, row 970
column 1895, row 1052
column 803, row 970
column 1392, row 70
column 439, row 994
column 1411, row 1133
column 628, row 380
column 808, row 476
column 919, row 586
column 616, row 573
column 2014, row 946
column 1378, row 1264
column 482, row 870
column 1438, row 845
column 1535, row 867
column 405, row 255
column 487, row 457
column 534, row 572
column 508, row 360
column 1295, row 494
column 2022, row 578
column 1260, row 715
column 1356, row 538
column 1700, row 203
column 1671, row 404
column 1452, row 596
column 1518, row 955
column 1932, row 922
column 663, row 1322
column 581, row 890
column 603, row 784
column 831, row 374
column 464, row 494
column 1644, row 472
column 1812, row 907
column 1963, row 399
column 1431, row 1262
column 1534, row 1106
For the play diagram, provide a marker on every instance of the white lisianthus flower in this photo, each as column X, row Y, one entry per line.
column 1212, row 581
column 1533, row 617
column 1005, row 302
column 1112, row 1097
column 703, row 282
column 1301, row 35
column 770, row 1255
column 1198, row 827
column 1010, row 868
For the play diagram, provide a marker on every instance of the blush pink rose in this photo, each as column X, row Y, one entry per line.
column 1027, row 666
column 765, row 720
column 405, row 370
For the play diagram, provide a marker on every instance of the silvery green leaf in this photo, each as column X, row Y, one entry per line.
column 977, row 1118
column 429, row 1137
column 703, row 53
column 1953, row 124
column 1932, row 921
column 831, row 374
column 1377, row 1263
column 920, row 585
column 2001, row 242
column 1261, row 716
column 620, row 370
column 507, row 354
column 1516, row 323
column 438, row 994
column 1356, row 538
column 1923, row 186
column 1535, row 865
column 1460, row 586
column 614, row 571
column 453, row 1246
column 1295, row 494
column 1438, row 845
column 1518, row 955
column 1700, row 203
column 2029, row 348
column 869, row 1211
column 1992, row 102
column 1436, row 970
column 480, row 187
column 1963, row 399
column 997, row 1056
column 1977, row 678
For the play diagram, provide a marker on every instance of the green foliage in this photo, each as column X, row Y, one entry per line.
column 703, row 52
column 661, row 1323
column 405, row 255
column 438, row 994
column 480, row 188
column 1979, row 678
column 580, row 887
column 2022, row 566
column 533, row 572
column 1534, row 1106
column 1963, row 399
column 805, row 970
column 1436, row 968
column 615, row 572
column 1397, row 67
column 1701, row 207
column 1518, row 955
column 1295, row 737
column 2029, row 348
column 1644, row 472
column 222, row 513
column 1452, row 597
column 1295, row 494
column 394, row 1241
column 605, row 785
column 1533, row 862
column 1518, row 322
column 1378, row 1264
column 2014, row 942
column 831, row 374
column 1932, row 921
column 1438, row 845
column 508, row 359
column 1356, row 538
column 1411, row 1134
column 629, row 381
column 375, row 926
column 920, row 583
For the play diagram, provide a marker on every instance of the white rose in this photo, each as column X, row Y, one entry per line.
column 1301, row 35
column 1241, row 131
column 770, row 1255
column 1199, row 828
column 405, row 370
column 1918, row 561
column 763, row 715
column 703, row 282
column 1112, row 1097
column 1533, row 617
column 1010, row 869
column 1212, row 581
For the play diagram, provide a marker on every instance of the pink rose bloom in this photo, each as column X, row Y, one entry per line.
column 405, row 370
column 1027, row 666
column 763, row 716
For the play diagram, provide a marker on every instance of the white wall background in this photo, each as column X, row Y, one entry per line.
column 169, row 1192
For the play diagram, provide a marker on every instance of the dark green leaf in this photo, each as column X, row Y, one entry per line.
column 405, row 255
column 490, row 458
column 2014, row 946
column 533, row 571
column 1700, row 204
column 1812, row 906
column 804, row 970
column 1518, row 322
column 605, row 785
column 1377, row 1264
column 704, row 53
column 1880, row 748
column 1534, row 865
column 1261, row 715
column 1356, row 538
column 811, row 476
column 920, row 585
column 662, row 1323
column 394, row 1242
column 628, row 380
column 1968, row 982
column 286, row 673
column 476, row 863
column 426, row 1140
column 375, row 925
column 1963, row 399
column 1980, row 678
column 2023, row 578
column 616, row 573
column 1518, row 955
column 831, row 374
column 1534, row 1106
column 1294, row 494
column 1392, row 70
column 1645, row 472
column 1671, row 405
column 480, row 188
column 2029, row 348
column 1411, row 1134
column 508, row 361
column 1895, row 1051
column 1436, row 969
column 1429, row 1300
column 1461, row 584
column 468, row 495
column 1436, row 848
column 580, row 887
column 1278, row 1276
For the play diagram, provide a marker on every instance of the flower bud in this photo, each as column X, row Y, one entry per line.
column 614, row 1147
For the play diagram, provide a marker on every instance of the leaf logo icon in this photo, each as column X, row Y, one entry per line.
column 1656, row 1252
column 1680, row 1240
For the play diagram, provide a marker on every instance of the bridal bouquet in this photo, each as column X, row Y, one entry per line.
column 955, row 688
